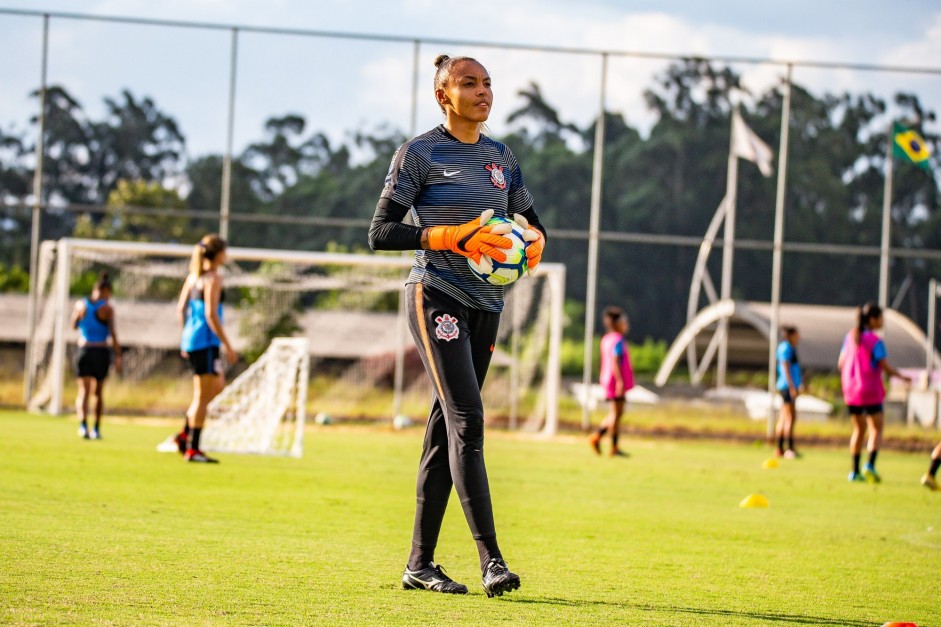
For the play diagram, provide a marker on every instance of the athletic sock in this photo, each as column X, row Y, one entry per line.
column 614, row 440
column 790, row 442
column 193, row 442
column 781, row 443
column 856, row 463
column 872, row 458
column 602, row 431
column 420, row 557
column 186, row 425
column 935, row 463
column 488, row 549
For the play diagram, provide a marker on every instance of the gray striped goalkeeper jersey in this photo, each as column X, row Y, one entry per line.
column 447, row 182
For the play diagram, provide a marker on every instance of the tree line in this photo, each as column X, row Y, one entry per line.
column 669, row 182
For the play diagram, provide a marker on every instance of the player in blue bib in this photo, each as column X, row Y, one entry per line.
column 199, row 311
column 93, row 317
column 451, row 180
column 788, row 385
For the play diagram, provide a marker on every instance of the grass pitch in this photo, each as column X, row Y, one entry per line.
column 114, row 532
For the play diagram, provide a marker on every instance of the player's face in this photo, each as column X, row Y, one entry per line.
column 468, row 94
column 794, row 338
column 623, row 325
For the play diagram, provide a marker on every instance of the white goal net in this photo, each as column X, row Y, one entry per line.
column 264, row 409
column 348, row 307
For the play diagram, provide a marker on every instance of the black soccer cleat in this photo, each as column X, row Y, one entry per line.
column 198, row 457
column 431, row 578
column 498, row 579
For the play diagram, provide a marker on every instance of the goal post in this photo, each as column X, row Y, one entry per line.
column 363, row 364
column 264, row 409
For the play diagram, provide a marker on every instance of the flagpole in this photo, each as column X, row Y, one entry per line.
column 776, row 255
column 728, row 240
column 886, row 221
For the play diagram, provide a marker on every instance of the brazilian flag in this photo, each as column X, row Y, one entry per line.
column 910, row 146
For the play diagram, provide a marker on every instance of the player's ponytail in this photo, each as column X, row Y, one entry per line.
column 102, row 283
column 205, row 250
column 864, row 315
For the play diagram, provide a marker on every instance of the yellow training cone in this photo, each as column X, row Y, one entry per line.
column 770, row 463
column 754, row 500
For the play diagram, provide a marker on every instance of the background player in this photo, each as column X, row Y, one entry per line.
column 93, row 316
column 788, row 385
column 617, row 376
column 199, row 311
column 862, row 362
column 446, row 178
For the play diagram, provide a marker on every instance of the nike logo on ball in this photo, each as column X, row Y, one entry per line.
column 449, row 174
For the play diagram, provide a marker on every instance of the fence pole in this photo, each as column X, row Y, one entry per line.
column 776, row 257
column 36, row 225
column 593, row 228
column 225, row 204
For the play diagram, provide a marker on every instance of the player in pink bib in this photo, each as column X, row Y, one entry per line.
column 617, row 376
column 862, row 362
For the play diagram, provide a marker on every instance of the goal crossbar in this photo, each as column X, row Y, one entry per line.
column 62, row 251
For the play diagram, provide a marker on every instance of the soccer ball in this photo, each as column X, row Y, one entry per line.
column 503, row 272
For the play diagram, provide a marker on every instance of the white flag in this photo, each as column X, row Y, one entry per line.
column 747, row 145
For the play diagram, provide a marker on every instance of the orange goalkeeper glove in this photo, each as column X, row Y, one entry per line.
column 474, row 239
column 534, row 249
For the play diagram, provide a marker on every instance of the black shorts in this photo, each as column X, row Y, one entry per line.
column 786, row 396
column 93, row 362
column 205, row 361
column 858, row 410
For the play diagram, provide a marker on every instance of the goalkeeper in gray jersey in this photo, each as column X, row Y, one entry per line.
column 453, row 179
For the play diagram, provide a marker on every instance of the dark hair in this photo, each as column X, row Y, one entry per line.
column 103, row 282
column 788, row 330
column 444, row 63
column 207, row 248
column 868, row 312
column 612, row 315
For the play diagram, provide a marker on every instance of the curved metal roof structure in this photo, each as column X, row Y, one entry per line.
column 822, row 329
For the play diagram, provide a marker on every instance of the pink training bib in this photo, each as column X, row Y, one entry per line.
column 861, row 379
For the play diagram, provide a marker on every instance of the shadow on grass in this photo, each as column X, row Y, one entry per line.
column 764, row 617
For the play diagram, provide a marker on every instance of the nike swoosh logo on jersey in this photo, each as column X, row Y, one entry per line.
column 449, row 174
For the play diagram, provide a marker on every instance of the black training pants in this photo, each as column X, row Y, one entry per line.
column 455, row 343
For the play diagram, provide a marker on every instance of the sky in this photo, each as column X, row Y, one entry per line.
column 347, row 85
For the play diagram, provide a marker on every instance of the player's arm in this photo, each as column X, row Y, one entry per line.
column 618, row 379
column 212, row 294
column 77, row 313
column 388, row 232
column 786, row 366
column 890, row 370
column 183, row 300
column 115, row 344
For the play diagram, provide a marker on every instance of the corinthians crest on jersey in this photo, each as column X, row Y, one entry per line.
column 496, row 175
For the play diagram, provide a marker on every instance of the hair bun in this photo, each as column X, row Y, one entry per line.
column 440, row 59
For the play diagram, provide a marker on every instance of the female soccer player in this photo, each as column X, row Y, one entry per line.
column 199, row 311
column 93, row 316
column 929, row 480
column 617, row 376
column 862, row 362
column 788, row 385
column 453, row 179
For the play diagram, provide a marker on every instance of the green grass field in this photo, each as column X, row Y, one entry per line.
column 114, row 532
